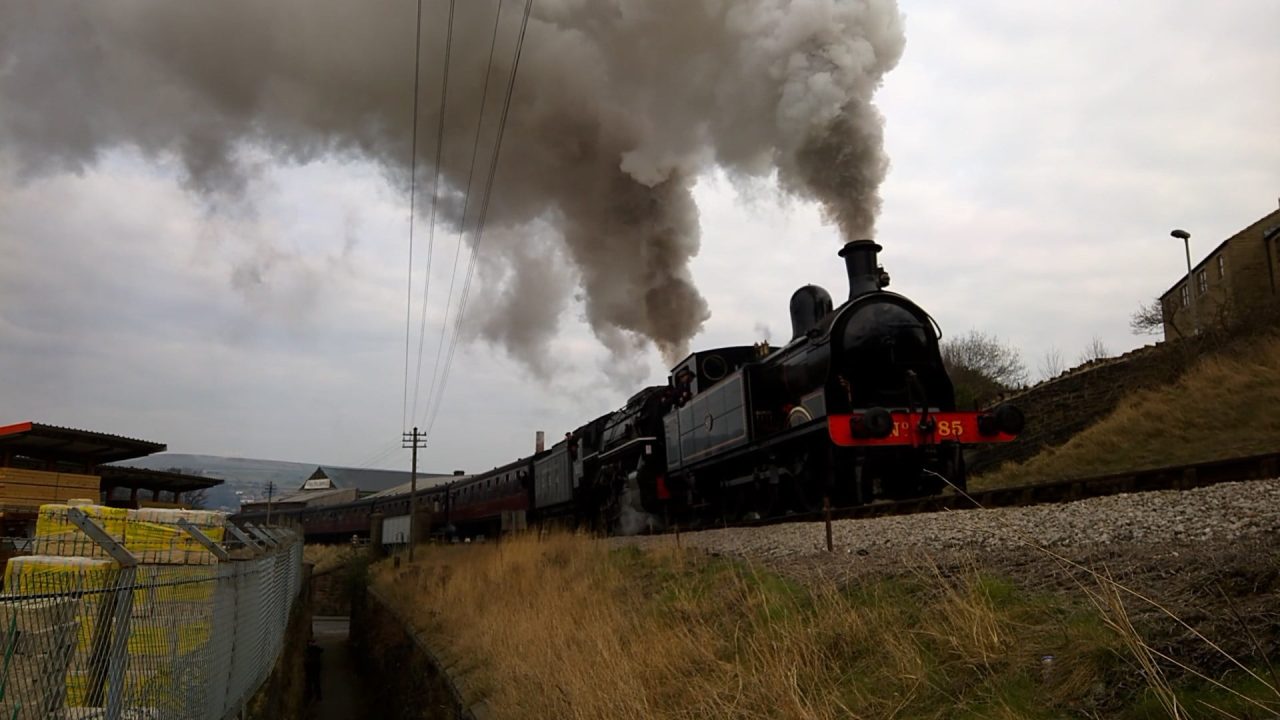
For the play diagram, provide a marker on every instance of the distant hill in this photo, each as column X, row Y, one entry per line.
column 244, row 478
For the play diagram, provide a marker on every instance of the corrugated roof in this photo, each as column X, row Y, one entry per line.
column 124, row 476
column 304, row 496
column 368, row 480
column 424, row 483
column 52, row 442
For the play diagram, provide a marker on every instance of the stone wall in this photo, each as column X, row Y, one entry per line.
column 331, row 592
column 410, row 681
column 1059, row 408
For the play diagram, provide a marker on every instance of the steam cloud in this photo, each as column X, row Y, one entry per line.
column 618, row 107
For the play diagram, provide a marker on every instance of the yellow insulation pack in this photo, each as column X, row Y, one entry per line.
column 57, row 535
column 39, row 574
column 151, row 534
column 38, row 638
column 142, row 687
column 32, row 574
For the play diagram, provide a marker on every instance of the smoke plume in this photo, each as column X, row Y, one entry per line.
column 619, row 105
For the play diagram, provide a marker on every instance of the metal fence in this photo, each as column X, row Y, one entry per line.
column 91, row 632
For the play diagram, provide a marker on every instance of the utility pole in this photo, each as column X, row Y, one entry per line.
column 271, row 486
column 413, row 440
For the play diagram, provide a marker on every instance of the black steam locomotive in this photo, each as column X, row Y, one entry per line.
column 857, row 406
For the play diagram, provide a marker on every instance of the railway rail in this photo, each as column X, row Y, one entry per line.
column 1172, row 477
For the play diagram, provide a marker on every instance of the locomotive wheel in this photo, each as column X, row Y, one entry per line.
column 801, row 488
column 807, row 494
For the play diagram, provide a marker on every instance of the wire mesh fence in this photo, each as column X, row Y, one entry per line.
column 188, row 631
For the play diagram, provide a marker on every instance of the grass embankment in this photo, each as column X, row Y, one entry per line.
column 1225, row 406
column 563, row 627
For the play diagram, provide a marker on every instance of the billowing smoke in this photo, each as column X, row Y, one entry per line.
column 618, row 107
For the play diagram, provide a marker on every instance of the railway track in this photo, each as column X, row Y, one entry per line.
column 1173, row 477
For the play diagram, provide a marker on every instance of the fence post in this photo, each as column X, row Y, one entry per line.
column 122, row 606
column 235, row 532
column 204, row 540
column 262, row 535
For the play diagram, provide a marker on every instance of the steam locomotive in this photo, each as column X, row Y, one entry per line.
column 856, row 407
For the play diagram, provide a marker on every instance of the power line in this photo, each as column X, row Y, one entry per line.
column 484, row 212
column 413, row 186
column 466, row 203
column 435, row 200
column 378, row 456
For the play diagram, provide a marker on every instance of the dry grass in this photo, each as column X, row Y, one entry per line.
column 1223, row 407
column 328, row 557
column 565, row 628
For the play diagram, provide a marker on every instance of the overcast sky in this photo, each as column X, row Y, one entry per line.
column 1041, row 153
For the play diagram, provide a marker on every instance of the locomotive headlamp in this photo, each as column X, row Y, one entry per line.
column 1009, row 419
column 1005, row 418
column 876, row 422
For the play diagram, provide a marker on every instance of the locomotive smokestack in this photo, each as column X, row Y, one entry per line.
column 540, row 442
column 860, row 262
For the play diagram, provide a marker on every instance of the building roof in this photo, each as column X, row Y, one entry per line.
column 1266, row 232
column 303, row 496
column 162, row 480
column 62, row 444
column 367, row 480
column 424, row 483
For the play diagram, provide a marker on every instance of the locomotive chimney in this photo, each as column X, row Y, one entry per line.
column 540, row 443
column 860, row 262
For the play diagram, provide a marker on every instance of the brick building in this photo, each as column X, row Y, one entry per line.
column 1238, row 277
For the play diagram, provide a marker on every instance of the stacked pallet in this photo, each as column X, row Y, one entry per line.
column 20, row 488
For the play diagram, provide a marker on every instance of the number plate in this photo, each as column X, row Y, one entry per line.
column 947, row 427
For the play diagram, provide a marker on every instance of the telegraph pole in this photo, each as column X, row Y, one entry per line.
column 271, row 486
column 414, row 441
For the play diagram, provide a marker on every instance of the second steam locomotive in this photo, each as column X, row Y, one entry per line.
column 857, row 406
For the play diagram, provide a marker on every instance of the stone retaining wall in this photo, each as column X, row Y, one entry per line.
column 413, row 681
column 1059, row 408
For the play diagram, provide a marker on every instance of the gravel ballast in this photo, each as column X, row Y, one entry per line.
column 1216, row 515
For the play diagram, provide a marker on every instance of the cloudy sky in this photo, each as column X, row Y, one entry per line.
column 1040, row 154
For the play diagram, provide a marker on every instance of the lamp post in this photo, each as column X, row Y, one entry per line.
column 1185, row 237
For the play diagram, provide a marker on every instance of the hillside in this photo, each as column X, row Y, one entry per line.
column 247, row 476
column 1227, row 405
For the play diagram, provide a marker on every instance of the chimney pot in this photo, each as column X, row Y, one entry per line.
column 862, row 267
column 540, row 443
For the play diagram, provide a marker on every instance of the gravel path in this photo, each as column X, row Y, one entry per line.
column 1216, row 515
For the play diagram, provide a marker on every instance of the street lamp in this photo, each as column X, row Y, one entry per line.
column 1185, row 237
